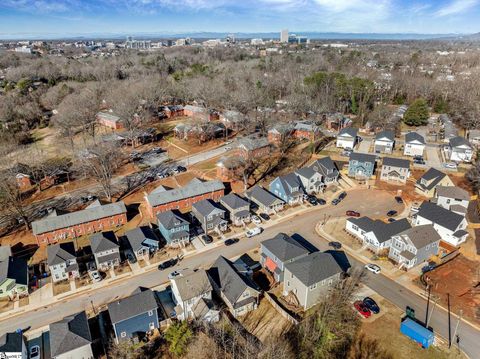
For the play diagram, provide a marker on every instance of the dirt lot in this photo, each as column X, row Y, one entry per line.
column 458, row 277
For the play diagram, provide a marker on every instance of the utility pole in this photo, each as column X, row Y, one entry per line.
column 428, row 305
column 449, row 322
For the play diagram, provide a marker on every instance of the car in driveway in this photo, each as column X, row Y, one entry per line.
column 336, row 201
column 392, row 213
column 231, row 241
column 373, row 268
column 181, row 169
column 34, row 352
column 399, row 199
column 371, row 305
column 450, row 165
column 342, row 196
column 335, row 245
column 352, row 213
column 206, row 239
column 167, row 264
column 253, row 232
column 264, row 216
column 321, row 201
column 362, row 309
column 391, row 220
column 313, row 200
column 95, row 275
column 256, row 219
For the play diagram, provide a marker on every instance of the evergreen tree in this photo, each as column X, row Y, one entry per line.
column 417, row 114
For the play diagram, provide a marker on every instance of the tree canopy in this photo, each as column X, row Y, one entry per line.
column 417, row 114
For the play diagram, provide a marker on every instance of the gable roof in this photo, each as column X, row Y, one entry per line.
column 387, row 134
column 459, row 141
column 86, row 215
column 362, row 157
column 396, row 162
column 314, row 268
column 60, row 253
column 234, row 201
column 137, row 236
column 421, row 236
column 433, row 175
column 70, row 333
column 325, row 166
column 194, row 188
column 288, row 182
column 206, row 207
column 193, row 284
column 253, row 143
column 104, row 241
column 452, row 192
column 284, row 247
column 306, row 172
column 171, row 219
column 261, row 195
column 348, row 131
column 14, row 268
column 414, row 136
column 141, row 301
column 382, row 231
column 439, row 215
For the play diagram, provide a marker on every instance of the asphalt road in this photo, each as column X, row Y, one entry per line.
column 302, row 225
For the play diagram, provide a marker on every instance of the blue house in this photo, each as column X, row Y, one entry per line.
column 361, row 165
column 174, row 228
column 134, row 316
column 289, row 188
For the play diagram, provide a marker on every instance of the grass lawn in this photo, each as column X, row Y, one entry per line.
column 61, row 287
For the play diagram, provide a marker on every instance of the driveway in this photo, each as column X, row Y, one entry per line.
column 364, row 146
column 433, row 159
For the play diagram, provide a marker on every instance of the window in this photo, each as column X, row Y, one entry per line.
column 209, row 218
column 150, row 313
column 123, row 334
column 246, row 294
column 355, row 227
column 312, row 287
column 448, row 200
column 288, row 283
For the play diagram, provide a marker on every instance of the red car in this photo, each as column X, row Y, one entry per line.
column 362, row 309
column 352, row 214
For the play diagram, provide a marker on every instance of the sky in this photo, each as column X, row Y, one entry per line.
column 77, row 17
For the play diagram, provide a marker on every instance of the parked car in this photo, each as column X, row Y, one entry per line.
column 373, row 268
column 371, row 305
column 313, row 200
column 96, row 277
column 206, row 239
column 181, row 169
column 321, row 201
column 391, row 220
column 264, row 216
column 352, row 213
column 428, row 268
column 419, row 162
column 35, row 352
column 399, row 199
column 342, row 196
column 167, row 264
column 335, row 245
column 231, row 241
column 362, row 309
column 450, row 165
column 131, row 257
column 253, row 232
column 392, row 213
column 336, row 201
column 256, row 220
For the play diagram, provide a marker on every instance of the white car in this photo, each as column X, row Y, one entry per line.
column 256, row 220
column 96, row 277
column 373, row 268
column 35, row 352
column 253, row 232
column 450, row 165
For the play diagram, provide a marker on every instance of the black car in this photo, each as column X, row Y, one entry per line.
column 391, row 220
column 231, row 241
column 321, row 201
column 372, row 305
column 342, row 195
column 167, row 264
column 207, row 239
column 336, row 201
column 313, row 200
column 264, row 216
column 399, row 199
column 181, row 169
column 391, row 213
column 335, row 245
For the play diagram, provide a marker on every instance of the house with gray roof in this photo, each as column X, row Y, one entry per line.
column 238, row 209
column 62, row 261
column 190, row 288
column 347, row 138
column 106, row 250
column 142, row 242
column 396, row 170
column 253, row 147
column 233, row 119
column 288, row 188
column 265, row 201
column 459, row 150
column 414, row 246
column 174, row 228
column 430, row 180
column 13, row 346
column 134, row 316
column 210, row 216
column 361, row 165
column 309, row 278
column 454, row 198
column 237, row 290
column 375, row 235
column 279, row 251
column 71, row 338
column 327, row 169
column 280, row 132
column 384, row 142
column 414, row 144
column 13, row 278
column 310, row 179
column 451, row 226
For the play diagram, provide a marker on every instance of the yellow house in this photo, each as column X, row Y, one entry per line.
column 430, row 180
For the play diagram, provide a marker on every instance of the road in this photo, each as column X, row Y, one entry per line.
column 302, row 225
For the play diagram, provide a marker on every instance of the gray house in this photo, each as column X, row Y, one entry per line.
column 384, row 142
column 309, row 278
column 142, row 241
column 279, row 251
column 174, row 228
column 237, row 207
column 289, row 188
column 265, row 201
column 414, row 246
column 237, row 290
column 395, row 170
column 62, row 261
column 361, row 165
column 210, row 216
column 70, row 338
column 327, row 168
column 13, row 346
column 310, row 179
column 106, row 250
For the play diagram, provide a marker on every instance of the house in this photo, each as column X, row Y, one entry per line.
column 414, row 144
column 361, row 165
column 310, row 278
column 395, row 170
column 460, row 150
column 172, row 111
column 238, row 291
column 430, row 180
column 265, row 201
column 233, row 120
column 13, row 277
column 279, row 133
column 203, row 131
column 451, row 226
column 134, row 316
column 13, row 346
column 384, row 142
column 310, row 179
column 210, row 216
column 62, row 261
column 95, row 218
column 142, row 241
column 174, row 228
column 336, row 121
column 278, row 251
column 110, row 120
column 289, row 188
column 230, row 168
column 70, row 338
column 347, row 138
column 24, row 182
column 376, row 235
column 306, row 131
column 253, row 147
column 106, row 250
column 191, row 292
column 327, row 168
column 162, row 199
column 414, row 246
column 196, row 111
column 453, row 198
column 238, row 209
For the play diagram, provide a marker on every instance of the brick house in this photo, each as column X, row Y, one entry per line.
column 162, row 199
column 109, row 120
column 94, row 218
column 172, row 111
column 278, row 133
column 200, row 113
column 306, row 131
column 253, row 147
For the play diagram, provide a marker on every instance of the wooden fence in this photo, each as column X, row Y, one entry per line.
column 280, row 309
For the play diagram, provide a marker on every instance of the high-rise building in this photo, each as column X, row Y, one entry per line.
column 284, row 35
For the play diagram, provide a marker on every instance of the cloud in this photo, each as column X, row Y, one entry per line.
column 456, row 7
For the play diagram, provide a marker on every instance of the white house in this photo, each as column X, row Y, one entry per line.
column 459, row 150
column 347, row 138
column 62, row 262
column 453, row 198
column 414, row 144
column 384, row 142
column 311, row 180
column 450, row 226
